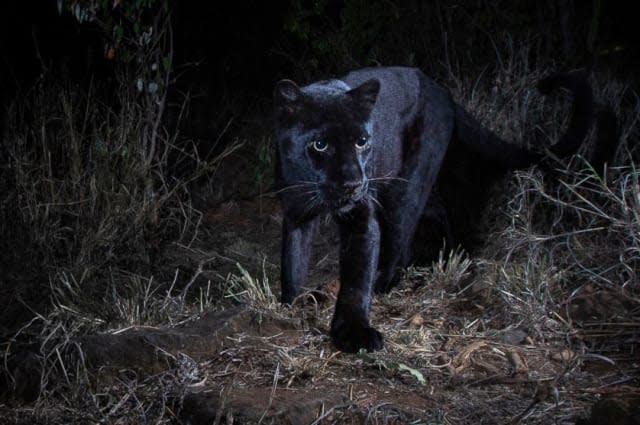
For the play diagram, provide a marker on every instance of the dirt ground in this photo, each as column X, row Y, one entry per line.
column 450, row 357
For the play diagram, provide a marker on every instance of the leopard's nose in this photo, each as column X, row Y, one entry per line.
column 352, row 187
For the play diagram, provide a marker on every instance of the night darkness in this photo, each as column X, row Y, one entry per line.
column 140, row 228
column 244, row 47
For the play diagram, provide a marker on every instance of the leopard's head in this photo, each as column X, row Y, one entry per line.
column 324, row 143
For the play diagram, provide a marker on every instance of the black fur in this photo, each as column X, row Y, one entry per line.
column 369, row 150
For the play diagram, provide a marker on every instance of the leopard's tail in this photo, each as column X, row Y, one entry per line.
column 486, row 144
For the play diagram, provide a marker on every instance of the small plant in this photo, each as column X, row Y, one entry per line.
column 248, row 289
column 446, row 272
column 376, row 360
column 264, row 166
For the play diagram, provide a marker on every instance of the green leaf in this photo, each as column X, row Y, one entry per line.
column 166, row 63
column 119, row 34
column 416, row 373
column 152, row 88
column 383, row 364
column 362, row 354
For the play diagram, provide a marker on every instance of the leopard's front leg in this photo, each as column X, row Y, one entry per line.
column 359, row 250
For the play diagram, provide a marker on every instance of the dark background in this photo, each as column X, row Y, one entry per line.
column 236, row 50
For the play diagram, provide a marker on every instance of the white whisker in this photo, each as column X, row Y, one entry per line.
column 374, row 200
column 296, row 186
column 388, row 179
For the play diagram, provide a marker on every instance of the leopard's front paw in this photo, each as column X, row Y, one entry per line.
column 351, row 336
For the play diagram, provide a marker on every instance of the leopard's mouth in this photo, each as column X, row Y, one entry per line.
column 347, row 202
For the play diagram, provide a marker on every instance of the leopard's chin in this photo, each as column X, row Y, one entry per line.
column 343, row 205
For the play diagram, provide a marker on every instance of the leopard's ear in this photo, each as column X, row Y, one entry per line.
column 366, row 93
column 287, row 96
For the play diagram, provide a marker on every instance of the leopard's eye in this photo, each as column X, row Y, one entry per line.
column 362, row 142
column 320, row 145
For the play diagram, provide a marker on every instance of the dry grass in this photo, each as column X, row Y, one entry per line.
column 85, row 222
